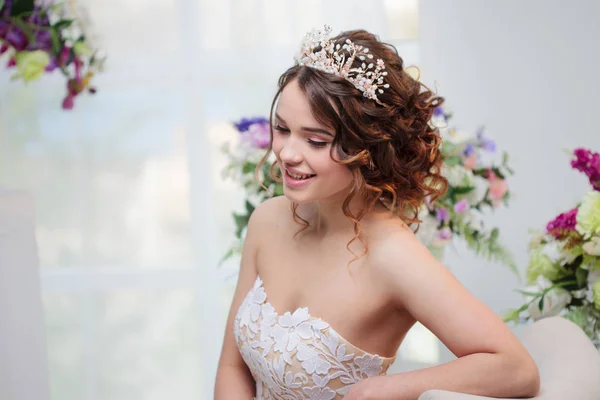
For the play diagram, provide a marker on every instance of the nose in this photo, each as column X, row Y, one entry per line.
column 289, row 153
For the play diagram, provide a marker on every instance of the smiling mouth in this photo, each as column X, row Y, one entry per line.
column 299, row 177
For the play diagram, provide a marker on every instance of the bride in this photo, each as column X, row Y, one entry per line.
column 332, row 277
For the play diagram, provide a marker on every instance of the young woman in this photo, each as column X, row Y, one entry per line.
column 332, row 276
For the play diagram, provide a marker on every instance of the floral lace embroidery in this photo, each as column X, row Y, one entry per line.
column 295, row 356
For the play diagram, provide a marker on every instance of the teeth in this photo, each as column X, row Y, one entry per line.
column 295, row 176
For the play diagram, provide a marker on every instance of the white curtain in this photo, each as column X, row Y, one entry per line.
column 132, row 215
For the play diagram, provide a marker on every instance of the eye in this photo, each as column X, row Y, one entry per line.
column 318, row 144
column 280, row 128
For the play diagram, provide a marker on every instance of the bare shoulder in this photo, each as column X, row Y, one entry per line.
column 403, row 264
column 268, row 214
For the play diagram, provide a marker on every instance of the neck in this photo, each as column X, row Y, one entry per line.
column 326, row 217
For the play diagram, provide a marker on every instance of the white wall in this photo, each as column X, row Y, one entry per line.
column 527, row 70
column 23, row 359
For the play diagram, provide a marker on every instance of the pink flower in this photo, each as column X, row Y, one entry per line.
column 461, row 206
column 445, row 234
column 563, row 223
column 442, row 237
column 498, row 188
column 258, row 135
column 469, row 161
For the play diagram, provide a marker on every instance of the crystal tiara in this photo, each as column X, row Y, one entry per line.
column 338, row 59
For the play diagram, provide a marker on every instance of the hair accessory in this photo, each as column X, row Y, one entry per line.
column 322, row 53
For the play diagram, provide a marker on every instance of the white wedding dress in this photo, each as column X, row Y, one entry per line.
column 295, row 356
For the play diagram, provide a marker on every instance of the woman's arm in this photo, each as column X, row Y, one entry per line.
column 234, row 381
column 491, row 360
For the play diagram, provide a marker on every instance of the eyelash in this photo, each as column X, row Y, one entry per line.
column 311, row 142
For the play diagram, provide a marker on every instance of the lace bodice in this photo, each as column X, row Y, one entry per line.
column 295, row 356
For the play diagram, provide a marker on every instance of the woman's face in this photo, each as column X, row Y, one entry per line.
column 302, row 147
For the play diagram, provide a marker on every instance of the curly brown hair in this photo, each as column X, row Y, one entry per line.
column 392, row 150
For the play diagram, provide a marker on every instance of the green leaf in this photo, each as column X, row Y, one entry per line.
column 249, row 208
column 498, row 173
column 452, row 161
column 541, row 304
column 21, row 7
column 62, row 24
column 227, row 256
column 581, row 275
column 56, row 45
column 248, row 167
column 448, row 148
column 1, row 4
column 494, row 235
column 241, row 221
column 511, row 316
column 279, row 189
column 463, row 189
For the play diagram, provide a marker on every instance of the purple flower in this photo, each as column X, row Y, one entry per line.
column 4, row 26
column 461, row 206
column 442, row 214
column 469, row 149
column 486, row 143
column 5, row 10
column 245, row 123
column 438, row 112
column 588, row 162
column 563, row 222
column 258, row 135
column 53, row 65
column 43, row 41
column 16, row 38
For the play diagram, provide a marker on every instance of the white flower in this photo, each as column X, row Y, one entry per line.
column 554, row 301
column 536, row 239
column 593, row 246
column 369, row 365
column 318, row 393
column 471, row 219
column 256, row 297
column 458, row 137
column 428, row 227
column 457, row 175
column 311, row 362
column 291, row 329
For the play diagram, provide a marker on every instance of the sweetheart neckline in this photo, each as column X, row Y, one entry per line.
column 310, row 317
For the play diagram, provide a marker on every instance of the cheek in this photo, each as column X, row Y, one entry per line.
column 340, row 175
column 276, row 146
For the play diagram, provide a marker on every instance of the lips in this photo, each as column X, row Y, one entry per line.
column 298, row 175
column 297, row 179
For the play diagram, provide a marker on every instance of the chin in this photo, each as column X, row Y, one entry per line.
column 295, row 197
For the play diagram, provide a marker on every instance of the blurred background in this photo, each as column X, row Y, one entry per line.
column 131, row 212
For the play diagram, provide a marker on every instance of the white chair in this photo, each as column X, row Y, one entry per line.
column 569, row 363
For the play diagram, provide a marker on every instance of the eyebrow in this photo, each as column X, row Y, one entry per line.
column 307, row 128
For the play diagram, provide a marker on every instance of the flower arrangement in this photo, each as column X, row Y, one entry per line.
column 254, row 139
column 476, row 175
column 475, row 184
column 564, row 264
column 43, row 36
